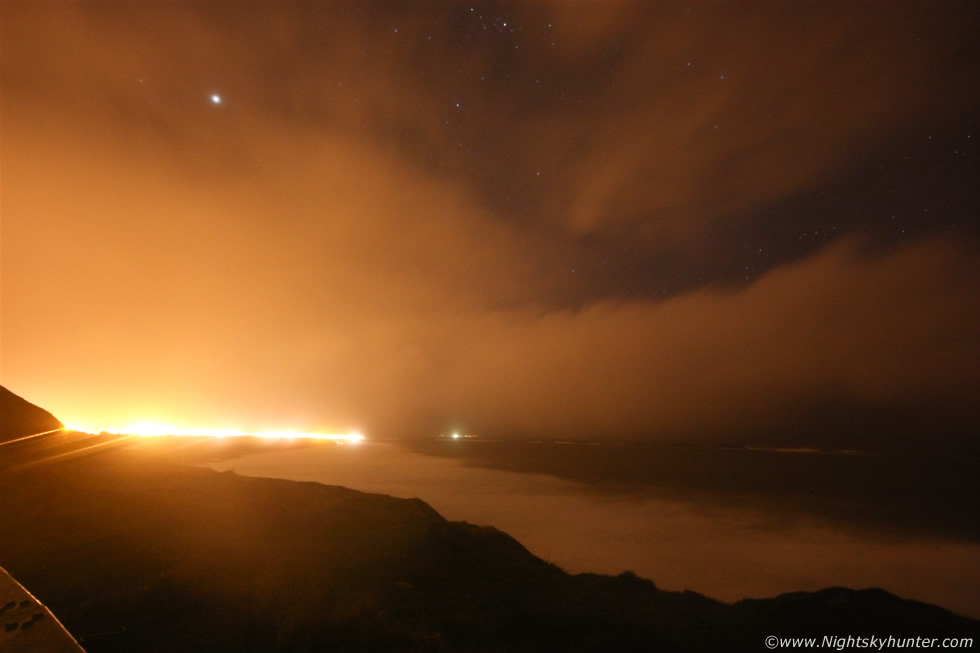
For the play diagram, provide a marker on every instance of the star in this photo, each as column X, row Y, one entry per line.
column 216, row 99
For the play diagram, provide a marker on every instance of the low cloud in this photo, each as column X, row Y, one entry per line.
column 843, row 328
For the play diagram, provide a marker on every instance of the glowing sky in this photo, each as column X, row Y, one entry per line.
column 599, row 219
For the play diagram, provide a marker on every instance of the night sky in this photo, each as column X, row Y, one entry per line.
column 673, row 221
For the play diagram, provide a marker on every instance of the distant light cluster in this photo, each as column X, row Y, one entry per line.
column 151, row 430
column 457, row 436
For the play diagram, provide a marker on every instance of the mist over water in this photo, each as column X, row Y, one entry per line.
column 699, row 518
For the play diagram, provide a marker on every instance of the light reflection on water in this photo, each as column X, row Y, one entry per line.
column 727, row 551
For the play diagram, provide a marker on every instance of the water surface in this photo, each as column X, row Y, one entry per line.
column 729, row 523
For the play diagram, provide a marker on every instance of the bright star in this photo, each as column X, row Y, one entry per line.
column 216, row 99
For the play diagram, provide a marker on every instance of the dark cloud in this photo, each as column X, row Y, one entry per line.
column 590, row 219
column 894, row 330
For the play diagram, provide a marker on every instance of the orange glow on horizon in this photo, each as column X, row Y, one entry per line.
column 152, row 429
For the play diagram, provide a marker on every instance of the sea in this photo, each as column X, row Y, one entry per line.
column 727, row 522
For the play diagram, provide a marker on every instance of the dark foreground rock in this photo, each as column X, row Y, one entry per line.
column 136, row 553
column 19, row 417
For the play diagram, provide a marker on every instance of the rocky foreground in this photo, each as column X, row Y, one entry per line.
column 20, row 418
column 136, row 552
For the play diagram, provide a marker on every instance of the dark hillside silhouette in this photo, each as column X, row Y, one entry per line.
column 19, row 417
column 134, row 552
